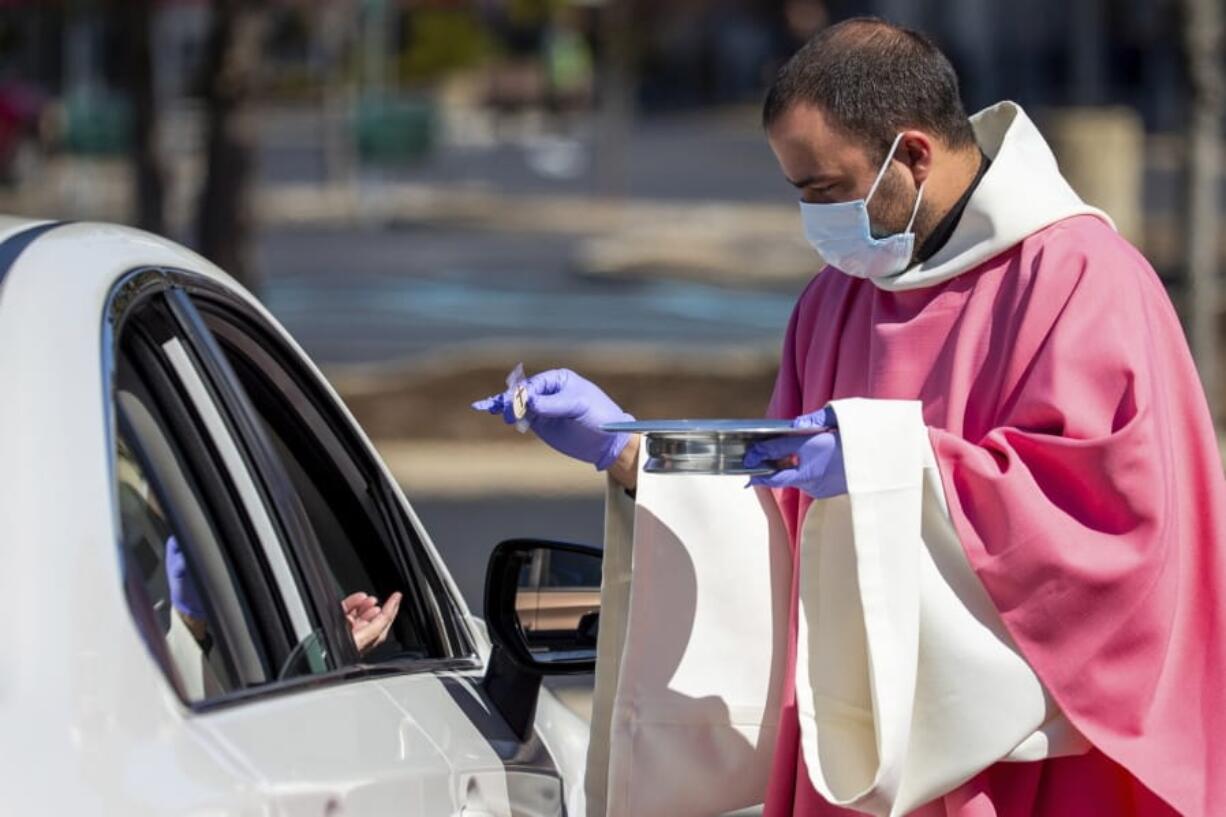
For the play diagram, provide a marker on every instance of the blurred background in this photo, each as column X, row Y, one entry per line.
column 427, row 192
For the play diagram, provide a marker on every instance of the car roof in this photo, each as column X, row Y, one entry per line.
column 113, row 251
column 54, row 370
column 13, row 224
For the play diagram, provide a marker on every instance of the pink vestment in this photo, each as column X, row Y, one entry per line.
column 1083, row 478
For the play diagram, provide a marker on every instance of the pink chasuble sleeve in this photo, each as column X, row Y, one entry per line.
column 788, row 788
column 787, row 402
column 786, row 398
column 1093, row 511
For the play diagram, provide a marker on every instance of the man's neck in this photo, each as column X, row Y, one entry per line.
column 960, row 175
column 952, row 180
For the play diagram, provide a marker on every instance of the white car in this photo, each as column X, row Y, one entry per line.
column 149, row 402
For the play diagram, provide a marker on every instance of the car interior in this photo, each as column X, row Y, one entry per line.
column 241, row 639
column 336, row 495
column 200, row 669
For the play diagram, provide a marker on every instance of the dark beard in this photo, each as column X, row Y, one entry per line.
column 890, row 209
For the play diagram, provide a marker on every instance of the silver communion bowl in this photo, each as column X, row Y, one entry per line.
column 706, row 446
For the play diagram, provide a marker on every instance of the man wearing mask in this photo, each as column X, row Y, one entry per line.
column 1020, row 505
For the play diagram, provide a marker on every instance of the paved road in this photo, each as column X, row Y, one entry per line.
column 353, row 295
column 719, row 154
column 716, row 155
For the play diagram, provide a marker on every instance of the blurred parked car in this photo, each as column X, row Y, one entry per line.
column 21, row 115
column 557, row 592
column 149, row 397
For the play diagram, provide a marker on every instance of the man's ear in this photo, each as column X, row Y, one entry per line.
column 915, row 150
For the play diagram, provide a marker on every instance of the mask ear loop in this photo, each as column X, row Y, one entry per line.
column 884, row 167
column 919, row 196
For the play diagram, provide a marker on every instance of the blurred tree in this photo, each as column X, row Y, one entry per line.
column 441, row 41
column 136, row 18
column 617, row 80
column 231, row 69
column 335, row 30
column 1205, row 52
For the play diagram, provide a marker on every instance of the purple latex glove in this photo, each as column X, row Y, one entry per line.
column 567, row 411
column 183, row 593
column 818, row 469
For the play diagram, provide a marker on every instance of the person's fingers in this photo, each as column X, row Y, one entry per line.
column 786, row 478
column 369, row 634
column 353, row 601
column 383, row 618
column 822, row 418
column 492, row 404
column 360, row 609
column 381, row 624
column 816, row 451
column 389, row 612
column 498, row 404
column 508, row 411
column 503, row 404
column 773, row 448
column 556, row 406
column 551, row 381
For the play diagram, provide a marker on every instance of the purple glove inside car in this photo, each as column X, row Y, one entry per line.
column 183, row 593
column 566, row 411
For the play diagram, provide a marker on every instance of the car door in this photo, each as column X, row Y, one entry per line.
column 233, row 611
column 360, row 532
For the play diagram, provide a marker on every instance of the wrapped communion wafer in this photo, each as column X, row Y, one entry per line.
column 517, row 383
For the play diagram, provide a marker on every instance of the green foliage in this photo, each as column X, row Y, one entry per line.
column 442, row 41
column 534, row 11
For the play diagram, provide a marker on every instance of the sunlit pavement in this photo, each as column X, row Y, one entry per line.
column 353, row 295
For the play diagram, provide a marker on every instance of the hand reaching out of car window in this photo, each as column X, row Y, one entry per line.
column 370, row 622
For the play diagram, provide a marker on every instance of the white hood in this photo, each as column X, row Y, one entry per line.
column 1021, row 192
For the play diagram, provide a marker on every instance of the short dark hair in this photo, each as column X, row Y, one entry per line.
column 873, row 79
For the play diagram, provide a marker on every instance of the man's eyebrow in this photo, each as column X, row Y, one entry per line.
column 808, row 181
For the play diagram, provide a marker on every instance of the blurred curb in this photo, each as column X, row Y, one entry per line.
column 724, row 245
column 428, row 398
column 446, row 469
column 721, row 242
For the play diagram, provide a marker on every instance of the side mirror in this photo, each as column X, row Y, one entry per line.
column 542, row 610
column 542, row 604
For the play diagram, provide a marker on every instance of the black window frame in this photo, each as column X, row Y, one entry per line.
column 265, row 470
column 205, row 471
column 372, row 501
column 441, row 615
column 182, row 287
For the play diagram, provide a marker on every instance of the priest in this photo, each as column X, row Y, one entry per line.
column 1008, row 549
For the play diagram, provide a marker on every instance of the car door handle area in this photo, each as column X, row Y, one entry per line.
column 482, row 793
column 511, row 792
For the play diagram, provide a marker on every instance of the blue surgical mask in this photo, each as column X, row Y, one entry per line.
column 842, row 233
